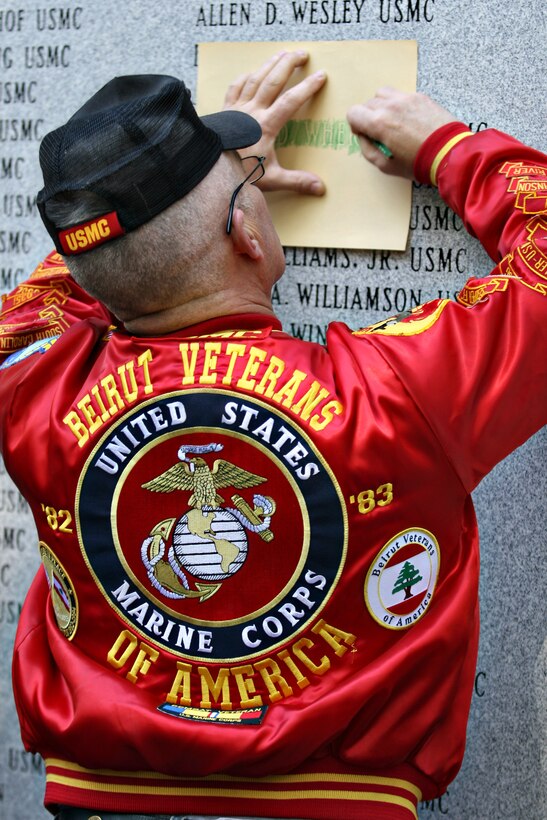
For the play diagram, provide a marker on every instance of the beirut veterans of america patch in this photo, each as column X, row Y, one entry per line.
column 401, row 580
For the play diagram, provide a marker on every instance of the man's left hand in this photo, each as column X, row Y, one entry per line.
column 262, row 94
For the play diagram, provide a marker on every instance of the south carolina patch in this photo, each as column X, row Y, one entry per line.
column 40, row 346
column 401, row 580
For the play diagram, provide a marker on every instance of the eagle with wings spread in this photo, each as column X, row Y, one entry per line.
column 194, row 475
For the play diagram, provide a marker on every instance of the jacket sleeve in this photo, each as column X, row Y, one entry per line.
column 42, row 308
column 476, row 367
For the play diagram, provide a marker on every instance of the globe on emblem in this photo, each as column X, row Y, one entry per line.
column 210, row 543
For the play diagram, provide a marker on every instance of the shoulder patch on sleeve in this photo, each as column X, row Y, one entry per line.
column 528, row 181
column 476, row 290
column 528, row 261
column 410, row 323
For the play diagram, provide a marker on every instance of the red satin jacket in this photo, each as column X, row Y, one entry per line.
column 260, row 557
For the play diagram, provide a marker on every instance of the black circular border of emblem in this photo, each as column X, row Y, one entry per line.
column 204, row 410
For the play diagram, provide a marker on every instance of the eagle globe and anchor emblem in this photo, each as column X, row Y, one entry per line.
column 209, row 540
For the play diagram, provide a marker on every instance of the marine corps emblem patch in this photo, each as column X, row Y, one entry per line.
column 211, row 524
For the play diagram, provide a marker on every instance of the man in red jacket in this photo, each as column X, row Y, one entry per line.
column 261, row 555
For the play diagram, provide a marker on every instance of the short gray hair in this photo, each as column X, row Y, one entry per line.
column 174, row 253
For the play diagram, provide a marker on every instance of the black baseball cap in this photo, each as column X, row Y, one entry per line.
column 139, row 145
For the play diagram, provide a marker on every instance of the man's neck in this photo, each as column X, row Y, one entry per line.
column 212, row 306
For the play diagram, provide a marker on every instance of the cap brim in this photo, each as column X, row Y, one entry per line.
column 235, row 128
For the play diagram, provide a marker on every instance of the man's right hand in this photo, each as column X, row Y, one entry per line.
column 402, row 122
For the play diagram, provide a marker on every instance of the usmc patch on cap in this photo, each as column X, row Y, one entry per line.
column 211, row 524
column 401, row 580
column 87, row 235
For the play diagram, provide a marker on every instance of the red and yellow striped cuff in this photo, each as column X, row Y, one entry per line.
column 321, row 795
column 435, row 149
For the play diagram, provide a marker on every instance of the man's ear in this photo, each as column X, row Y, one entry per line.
column 243, row 237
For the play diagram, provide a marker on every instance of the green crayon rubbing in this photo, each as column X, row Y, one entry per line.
column 333, row 134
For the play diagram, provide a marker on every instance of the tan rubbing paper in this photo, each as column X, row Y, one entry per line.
column 362, row 208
